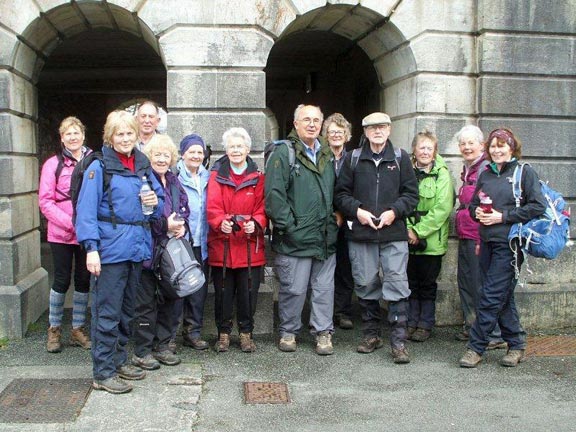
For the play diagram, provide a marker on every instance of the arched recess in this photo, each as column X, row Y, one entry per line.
column 98, row 57
column 342, row 58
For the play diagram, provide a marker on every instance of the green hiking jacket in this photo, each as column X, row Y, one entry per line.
column 436, row 200
column 299, row 201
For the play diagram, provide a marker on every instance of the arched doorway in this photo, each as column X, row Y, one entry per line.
column 320, row 68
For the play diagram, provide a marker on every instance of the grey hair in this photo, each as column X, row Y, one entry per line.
column 471, row 130
column 236, row 132
column 299, row 108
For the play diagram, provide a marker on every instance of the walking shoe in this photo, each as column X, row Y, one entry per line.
column 54, row 344
column 410, row 331
column 471, row 359
column 368, row 345
column 400, row 355
column 247, row 345
column 344, row 322
column 462, row 336
column 80, row 338
column 324, row 344
column 166, row 357
column 287, row 343
column 512, row 358
column 112, row 385
column 223, row 343
column 494, row 345
column 420, row 335
column 148, row 362
column 194, row 342
column 172, row 346
column 129, row 372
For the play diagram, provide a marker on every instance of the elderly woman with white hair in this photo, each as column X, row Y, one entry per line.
column 236, row 219
column 470, row 141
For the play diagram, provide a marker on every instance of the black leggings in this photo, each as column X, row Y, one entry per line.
column 63, row 255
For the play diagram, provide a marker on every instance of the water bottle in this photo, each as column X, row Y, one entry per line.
column 144, row 190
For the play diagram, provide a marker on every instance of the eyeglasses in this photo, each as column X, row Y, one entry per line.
column 335, row 132
column 315, row 121
column 376, row 127
column 236, row 146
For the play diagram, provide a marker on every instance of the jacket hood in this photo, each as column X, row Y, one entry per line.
column 186, row 178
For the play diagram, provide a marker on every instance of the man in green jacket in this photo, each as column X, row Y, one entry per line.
column 299, row 196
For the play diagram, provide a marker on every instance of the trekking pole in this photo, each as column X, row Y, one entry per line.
column 249, row 258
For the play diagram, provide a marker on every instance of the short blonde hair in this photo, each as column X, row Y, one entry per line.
column 71, row 121
column 116, row 120
column 161, row 142
column 340, row 121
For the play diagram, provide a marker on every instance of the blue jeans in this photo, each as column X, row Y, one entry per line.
column 113, row 300
column 496, row 304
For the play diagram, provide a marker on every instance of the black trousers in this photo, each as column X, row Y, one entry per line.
column 153, row 320
column 235, row 287
column 193, row 305
column 343, row 281
column 63, row 255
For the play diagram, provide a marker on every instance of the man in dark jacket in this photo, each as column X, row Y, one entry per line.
column 375, row 191
column 299, row 196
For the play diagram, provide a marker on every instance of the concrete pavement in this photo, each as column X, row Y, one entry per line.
column 342, row 392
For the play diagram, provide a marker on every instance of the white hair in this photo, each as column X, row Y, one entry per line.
column 470, row 130
column 236, row 132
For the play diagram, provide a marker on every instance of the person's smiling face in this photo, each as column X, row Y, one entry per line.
column 124, row 140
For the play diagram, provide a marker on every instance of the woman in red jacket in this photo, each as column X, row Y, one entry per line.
column 235, row 213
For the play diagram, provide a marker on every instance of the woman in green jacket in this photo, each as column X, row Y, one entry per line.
column 427, row 233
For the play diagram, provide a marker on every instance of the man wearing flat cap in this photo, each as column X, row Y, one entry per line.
column 376, row 190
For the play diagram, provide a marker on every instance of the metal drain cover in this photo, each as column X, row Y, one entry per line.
column 43, row 400
column 266, row 393
column 550, row 346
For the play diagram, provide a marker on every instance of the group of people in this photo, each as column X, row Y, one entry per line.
column 373, row 221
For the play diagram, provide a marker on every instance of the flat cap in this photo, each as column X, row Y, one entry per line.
column 376, row 119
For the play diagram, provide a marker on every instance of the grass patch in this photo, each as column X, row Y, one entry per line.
column 3, row 342
column 35, row 327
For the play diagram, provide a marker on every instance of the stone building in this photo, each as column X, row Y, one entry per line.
column 214, row 64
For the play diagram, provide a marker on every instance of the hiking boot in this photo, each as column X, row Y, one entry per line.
column 462, row 336
column 166, row 357
column 420, row 335
column 148, row 362
column 54, row 344
column 194, row 342
column 471, row 359
column 368, row 345
column 287, row 343
column 112, row 385
column 344, row 323
column 410, row 331
column 223, row 343
column 172, row 346
column 80, row 338
column 400, row 355
column 247, row 345
column 129, row 372
column 512, row 358
column 494, row 345
column 324, row 344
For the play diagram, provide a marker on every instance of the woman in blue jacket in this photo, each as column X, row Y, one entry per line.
column 115, row 233
column 497, row 262
column 194, row 178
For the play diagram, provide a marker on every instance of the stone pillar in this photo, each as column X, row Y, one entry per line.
column 23, row 283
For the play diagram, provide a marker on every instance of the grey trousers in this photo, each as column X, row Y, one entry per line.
column 296, row 274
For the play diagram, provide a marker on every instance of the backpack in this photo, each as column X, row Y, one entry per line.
column 270, row 147
column 546, row 235
column 57, row 172
column 178, row 272
column 78, row 177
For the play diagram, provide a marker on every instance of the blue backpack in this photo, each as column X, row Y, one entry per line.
column 546, row 235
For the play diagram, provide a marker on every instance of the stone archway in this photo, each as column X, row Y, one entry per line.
column 38, row 58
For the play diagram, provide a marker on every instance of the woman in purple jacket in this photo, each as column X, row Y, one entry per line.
column 56, row 206
column 153, row 318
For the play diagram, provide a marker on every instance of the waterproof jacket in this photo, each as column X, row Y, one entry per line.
column 299, row 201
column 131, row 239
column 390, row 184
column 431, row 219
column 498, row 186
column 159, row 225
column 54, row 198
column 197, row 204
column 466, row 227
column 225, row 199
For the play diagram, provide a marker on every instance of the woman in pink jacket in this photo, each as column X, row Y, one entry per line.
column 56, row 206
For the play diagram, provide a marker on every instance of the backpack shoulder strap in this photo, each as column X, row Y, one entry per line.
column 175, row 192
column 355, row 157
column 398, row 156
column 517, row 183
column 60, row 165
